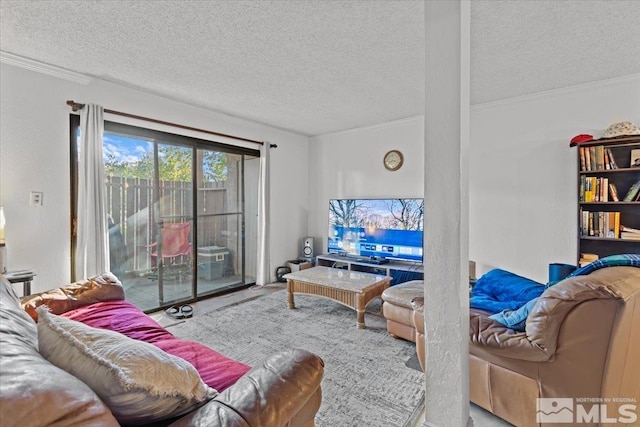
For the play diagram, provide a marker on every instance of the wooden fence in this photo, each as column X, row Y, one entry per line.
column 135, row 213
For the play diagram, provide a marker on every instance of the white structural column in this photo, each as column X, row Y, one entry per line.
column 446, row 214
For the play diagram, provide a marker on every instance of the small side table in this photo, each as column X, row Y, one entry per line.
column 24, row 277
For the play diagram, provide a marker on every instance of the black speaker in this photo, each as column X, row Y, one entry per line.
column 307, row 248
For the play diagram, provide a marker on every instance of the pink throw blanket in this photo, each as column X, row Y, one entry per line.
column 216, row 370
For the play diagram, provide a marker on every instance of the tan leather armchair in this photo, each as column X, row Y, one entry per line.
column 582, row 340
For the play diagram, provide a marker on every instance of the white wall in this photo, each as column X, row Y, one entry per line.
column 522, row 189
column 522, row 173
column 349, row 165
column 34, row 156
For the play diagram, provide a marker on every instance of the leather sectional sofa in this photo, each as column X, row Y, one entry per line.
column 285, row 390
column 582, row 340
column 397, row 308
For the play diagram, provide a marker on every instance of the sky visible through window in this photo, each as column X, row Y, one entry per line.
column 133, row 157
column 125, row 149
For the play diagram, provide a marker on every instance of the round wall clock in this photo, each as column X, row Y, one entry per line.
column 393, row 160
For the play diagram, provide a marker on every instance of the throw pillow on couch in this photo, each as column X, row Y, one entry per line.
column 137, row 381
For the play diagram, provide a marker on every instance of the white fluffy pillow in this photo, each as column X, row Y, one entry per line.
column 139, row 382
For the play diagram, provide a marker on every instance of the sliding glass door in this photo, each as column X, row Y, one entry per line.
column 221, row 221
column 179, row 211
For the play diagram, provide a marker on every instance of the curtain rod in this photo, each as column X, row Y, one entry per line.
column 75, row 106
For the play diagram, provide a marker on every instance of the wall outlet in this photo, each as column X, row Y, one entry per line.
column 35, row 199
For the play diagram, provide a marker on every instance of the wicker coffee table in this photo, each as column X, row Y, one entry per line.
column 351, row 288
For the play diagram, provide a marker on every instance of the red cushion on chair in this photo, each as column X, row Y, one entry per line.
column 215, row 369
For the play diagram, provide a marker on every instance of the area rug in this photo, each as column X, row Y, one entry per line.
column 366, row 381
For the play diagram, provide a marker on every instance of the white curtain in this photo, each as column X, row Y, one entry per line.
column 92, row 250
column 263, row 273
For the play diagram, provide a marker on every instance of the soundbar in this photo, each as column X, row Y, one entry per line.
column 367, row 260
column 373, row 260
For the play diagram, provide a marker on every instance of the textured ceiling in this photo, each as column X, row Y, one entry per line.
column 316, row 67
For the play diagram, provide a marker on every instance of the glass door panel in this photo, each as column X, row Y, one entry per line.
column 221, row 245
column 131, row 196
column 149, row 190
column 173, row 256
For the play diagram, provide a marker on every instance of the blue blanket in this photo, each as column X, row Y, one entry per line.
column 516, row 318
column 500, row 290
column 632, row 260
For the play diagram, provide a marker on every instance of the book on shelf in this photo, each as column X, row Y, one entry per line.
column 587, row 258
column 632, row 193
column 597, row 189
column 612, row 161
column 600, row 224
column 587, row 159
column 629, row 229
column 592, row 155
column 629, row 233
column 613, row 192
column 635, row 158
column 629, row 236
column 583, row 166
column 599, row 157
column 611, row 225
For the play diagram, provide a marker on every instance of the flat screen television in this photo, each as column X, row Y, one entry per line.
column 385, row 228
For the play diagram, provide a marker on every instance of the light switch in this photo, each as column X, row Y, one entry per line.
column 36, row 198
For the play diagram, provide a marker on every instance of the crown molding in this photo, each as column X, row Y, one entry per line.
column 42, row 68
column 392, row 123
column 553, row 92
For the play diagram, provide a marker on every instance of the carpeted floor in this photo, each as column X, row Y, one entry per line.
column 369, row 376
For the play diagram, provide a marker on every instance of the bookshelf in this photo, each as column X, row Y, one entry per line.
column 607, row 208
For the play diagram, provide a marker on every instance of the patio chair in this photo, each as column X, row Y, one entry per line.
column 175, row 242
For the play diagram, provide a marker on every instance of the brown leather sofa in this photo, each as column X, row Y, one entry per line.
column 283, row 391
column 582, row 340
column 397, row 308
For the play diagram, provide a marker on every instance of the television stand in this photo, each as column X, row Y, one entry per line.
column 400, row 271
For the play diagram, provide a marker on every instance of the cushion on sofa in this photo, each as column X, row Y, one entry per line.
column 215, row 369
column 104, row 287
column 34, row 392
column 139, row 382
